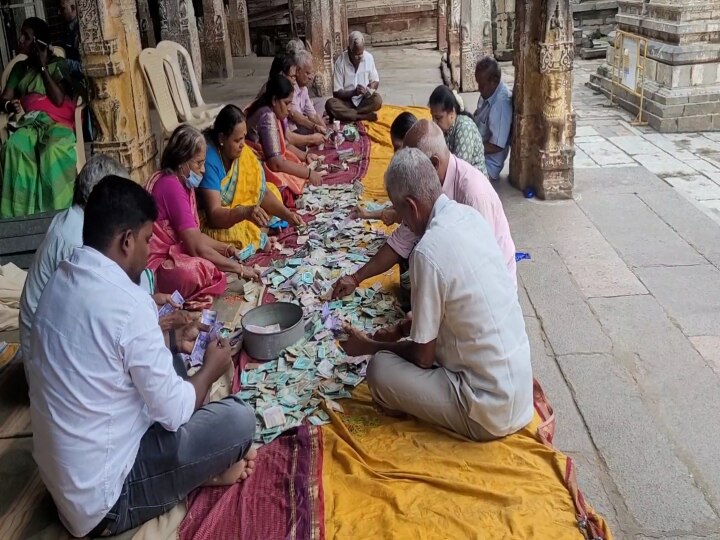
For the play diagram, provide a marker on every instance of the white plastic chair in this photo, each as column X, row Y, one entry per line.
column 177, row 84
column 79, row 108
column 152, row 63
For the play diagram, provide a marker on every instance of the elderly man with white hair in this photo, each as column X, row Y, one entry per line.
column 459, row 181
column 466, row 366
column 63, row 236
column 302, row 117
column 355, row 84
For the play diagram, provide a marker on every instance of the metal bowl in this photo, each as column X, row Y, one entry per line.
column 269, row 346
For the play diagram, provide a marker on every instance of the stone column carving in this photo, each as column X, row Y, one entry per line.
column 544, row 121
column 238, row 28
column 147, row 28
column 469, row 38
column 504, row 28
column 110, row 48
column 442, row 25
column 322, row 41
column 682, row 71
column 178, row 24
column 339, row 27
column 214, row 42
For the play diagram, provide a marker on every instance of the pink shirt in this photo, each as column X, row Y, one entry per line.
column 467, row 185
column 173, row 202
column 301, row 103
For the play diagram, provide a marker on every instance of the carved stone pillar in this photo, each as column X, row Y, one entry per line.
column 544, row 121
column 214, row 41
column 469, row 38
column 110, row 46
column 147, row 28
column 339, row 28
column 504, row 28
column 442, row 25
column 320, row 40
column 238, row 28
column 178, row 24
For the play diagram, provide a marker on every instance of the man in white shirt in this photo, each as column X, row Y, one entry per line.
column 466, row 366
column 118, row 436
column 355, row 84
column 63, row 236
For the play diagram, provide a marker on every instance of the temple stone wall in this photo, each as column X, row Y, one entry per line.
column 394, row 22
column 682, row 74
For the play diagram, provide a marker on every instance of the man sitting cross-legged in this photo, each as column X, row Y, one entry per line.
column 355, row 84
column 466, row 366
column 118, row 436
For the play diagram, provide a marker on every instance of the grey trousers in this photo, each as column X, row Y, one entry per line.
column 428, row 394
column 170, row 465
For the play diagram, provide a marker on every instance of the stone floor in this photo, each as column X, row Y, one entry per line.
column 621, row 302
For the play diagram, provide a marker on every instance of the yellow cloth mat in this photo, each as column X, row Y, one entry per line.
column 399, row 478
column 381, row 152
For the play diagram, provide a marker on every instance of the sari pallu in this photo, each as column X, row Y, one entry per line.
column 197, row 279
column 39, row 159
column 243, row 185
column 267, row 139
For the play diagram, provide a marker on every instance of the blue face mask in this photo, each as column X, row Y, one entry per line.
column 193, row 180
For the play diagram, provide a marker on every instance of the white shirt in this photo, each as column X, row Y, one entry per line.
column 463, row 296
column 99, row 376
column 346, row 77
column 63, row 236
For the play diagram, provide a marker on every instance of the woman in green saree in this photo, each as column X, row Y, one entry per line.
column 38, row 161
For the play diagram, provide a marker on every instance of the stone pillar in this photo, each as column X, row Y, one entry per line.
column 326, row 34
column 339, row 28
column 442, row 25
column 110, row 46
column 682, row 73
column 147, row 28
column 544, row 121
column 214, row 42
column 469, row 38
column 178, row 24
column 238, row 28
column 504, row 29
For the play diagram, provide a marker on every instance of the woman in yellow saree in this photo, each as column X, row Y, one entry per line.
column 236, row 199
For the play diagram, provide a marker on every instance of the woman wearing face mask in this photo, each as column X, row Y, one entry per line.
column 234, row 194
column 181, row 256
column 285, row 165
column 461, row 133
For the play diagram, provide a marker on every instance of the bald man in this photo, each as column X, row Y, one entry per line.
column 355, row 84
column 462, row 183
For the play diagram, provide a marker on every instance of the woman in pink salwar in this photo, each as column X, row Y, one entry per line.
column 181, row 256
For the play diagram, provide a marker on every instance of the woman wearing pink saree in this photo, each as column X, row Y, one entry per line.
column 181, row 256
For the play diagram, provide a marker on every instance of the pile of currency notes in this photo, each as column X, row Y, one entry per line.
column 291, row 388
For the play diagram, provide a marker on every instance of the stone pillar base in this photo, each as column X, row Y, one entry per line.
column 668, row 110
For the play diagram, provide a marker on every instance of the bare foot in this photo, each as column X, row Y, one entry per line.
column 236, row 473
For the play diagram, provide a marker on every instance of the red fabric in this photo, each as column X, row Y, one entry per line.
column 64, row 114
column 356, row 171
column 197, row 279
column 281, row 500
